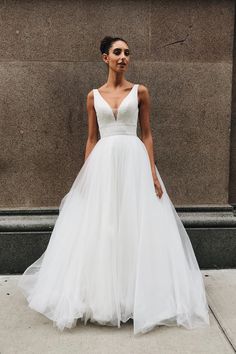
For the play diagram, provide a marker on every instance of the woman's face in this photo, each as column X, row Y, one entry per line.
column 118, row 57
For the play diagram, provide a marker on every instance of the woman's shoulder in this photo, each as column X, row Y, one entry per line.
column 90, row 93
column 90, row 96
column 142, row 88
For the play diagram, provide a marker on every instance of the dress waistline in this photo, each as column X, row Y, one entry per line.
column 126, row 129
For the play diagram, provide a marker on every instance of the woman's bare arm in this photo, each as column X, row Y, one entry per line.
column 146, row 134
column 92, row 125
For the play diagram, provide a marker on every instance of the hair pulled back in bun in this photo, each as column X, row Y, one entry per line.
column 107, row 42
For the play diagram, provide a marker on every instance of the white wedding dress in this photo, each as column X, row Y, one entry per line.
column 117, row 251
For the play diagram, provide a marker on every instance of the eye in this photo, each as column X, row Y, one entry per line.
column 117, row 51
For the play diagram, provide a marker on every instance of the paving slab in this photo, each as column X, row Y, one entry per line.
column 221, row 296
column 25, row 331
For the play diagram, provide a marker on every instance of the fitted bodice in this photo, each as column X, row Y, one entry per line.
column 122, row 120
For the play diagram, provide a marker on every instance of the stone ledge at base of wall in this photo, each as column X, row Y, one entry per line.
column 25, row 233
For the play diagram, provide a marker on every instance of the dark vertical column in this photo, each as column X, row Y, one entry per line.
column 232, row 169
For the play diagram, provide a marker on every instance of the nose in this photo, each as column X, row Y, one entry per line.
column 123, row 57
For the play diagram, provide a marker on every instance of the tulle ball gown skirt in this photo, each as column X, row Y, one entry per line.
column 117, row 251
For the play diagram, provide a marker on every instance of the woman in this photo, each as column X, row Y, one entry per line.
column 118, row 249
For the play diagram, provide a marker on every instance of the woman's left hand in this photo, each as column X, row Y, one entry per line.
column 157, row 186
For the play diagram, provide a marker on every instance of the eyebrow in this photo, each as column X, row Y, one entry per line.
column 120, row 48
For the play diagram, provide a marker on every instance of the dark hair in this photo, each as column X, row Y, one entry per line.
column 106, row 43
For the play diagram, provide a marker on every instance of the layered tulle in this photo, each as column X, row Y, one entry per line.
column 117, row 251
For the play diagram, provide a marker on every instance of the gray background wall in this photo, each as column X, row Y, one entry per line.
column 49, row 60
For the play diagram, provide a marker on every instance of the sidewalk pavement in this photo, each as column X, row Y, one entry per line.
column 25, row 331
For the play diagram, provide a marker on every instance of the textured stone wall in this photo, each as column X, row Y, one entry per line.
column 232, row 173
column 49, row 60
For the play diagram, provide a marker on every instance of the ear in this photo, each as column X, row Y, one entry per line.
column 105, row 58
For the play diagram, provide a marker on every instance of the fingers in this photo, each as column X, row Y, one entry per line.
column 159, row 191
column 158, row 188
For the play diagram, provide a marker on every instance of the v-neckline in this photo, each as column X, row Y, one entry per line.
column 116, row 109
